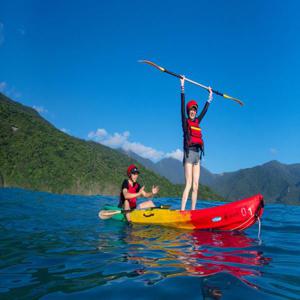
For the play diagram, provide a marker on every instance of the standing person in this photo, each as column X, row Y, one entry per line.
column 131, row 190
column 193, row 145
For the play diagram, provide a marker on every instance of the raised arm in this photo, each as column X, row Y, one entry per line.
column 207, row 103
column 183, row 116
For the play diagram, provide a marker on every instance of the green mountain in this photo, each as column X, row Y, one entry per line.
column 36, row 155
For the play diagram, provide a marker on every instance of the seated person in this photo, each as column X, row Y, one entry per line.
column 131, row 190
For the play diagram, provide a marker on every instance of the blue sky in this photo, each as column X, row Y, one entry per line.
column 76, row 62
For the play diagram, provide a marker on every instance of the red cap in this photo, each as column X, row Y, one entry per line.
column 132, row 169
column 191, row 104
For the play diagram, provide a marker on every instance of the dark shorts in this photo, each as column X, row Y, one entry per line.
column 193, row 158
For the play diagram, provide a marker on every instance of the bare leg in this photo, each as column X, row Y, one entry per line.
column 188, row 168
column 146, row 204
column 127, row 208
column 196, row 176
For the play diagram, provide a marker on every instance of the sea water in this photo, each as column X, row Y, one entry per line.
column 56, row 247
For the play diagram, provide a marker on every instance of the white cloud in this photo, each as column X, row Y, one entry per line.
column 40, row 109
column 121, row 140
column 273, row 151
column 98, row 134
column 177, row 154
column 143, row 151
column 116, row 140
column 1, row 33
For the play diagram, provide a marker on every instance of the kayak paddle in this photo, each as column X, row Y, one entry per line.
column 189, row 80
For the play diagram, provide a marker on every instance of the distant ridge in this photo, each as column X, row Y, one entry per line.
column 278, row 182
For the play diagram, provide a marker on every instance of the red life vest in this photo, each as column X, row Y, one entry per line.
column 194, row 132
column 132, row 190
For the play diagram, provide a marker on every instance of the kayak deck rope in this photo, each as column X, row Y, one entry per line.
column 245, row 224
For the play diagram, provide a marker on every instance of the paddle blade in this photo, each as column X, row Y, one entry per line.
column 152, row 64
column 234, row 99
column 107, row 214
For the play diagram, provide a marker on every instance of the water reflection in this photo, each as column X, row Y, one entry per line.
column 170, row 252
